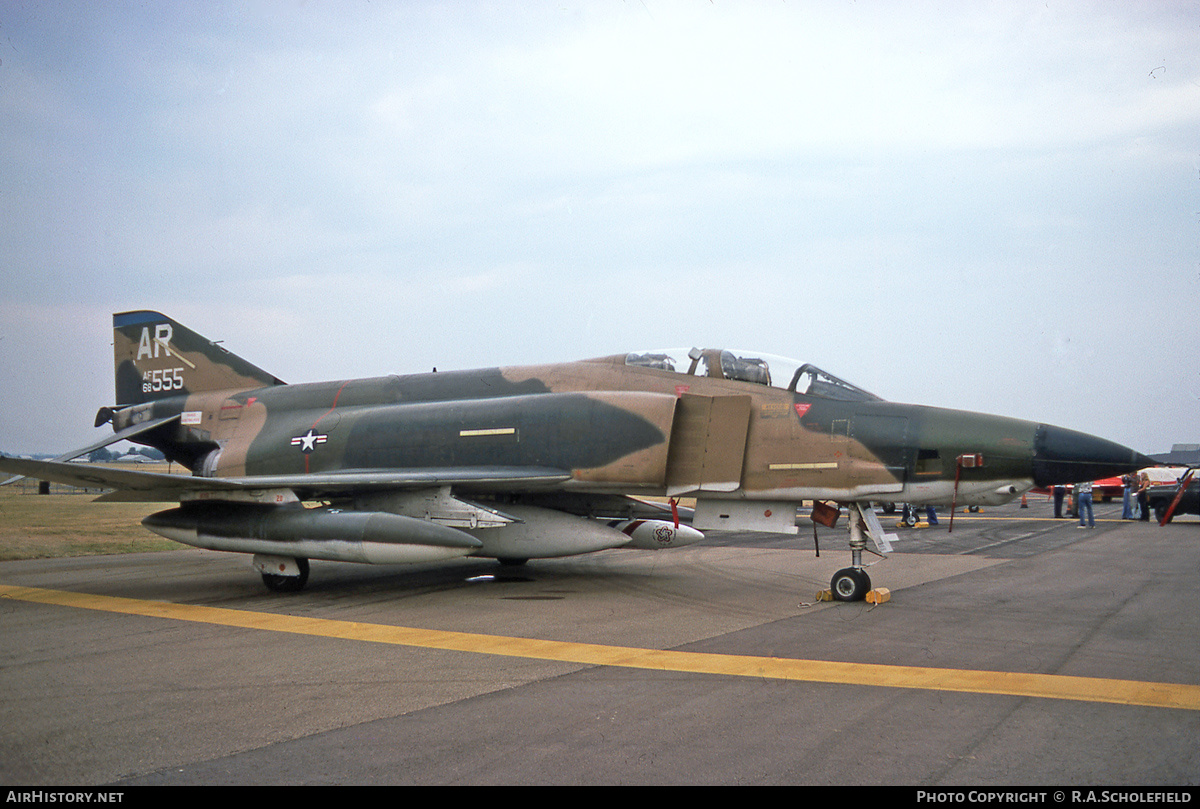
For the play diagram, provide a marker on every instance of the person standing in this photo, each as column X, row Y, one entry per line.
column 1083, row 503
column 1143, row 497
column 1060, row 492
column 1127, row 497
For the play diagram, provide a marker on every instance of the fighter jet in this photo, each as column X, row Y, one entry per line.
column 525, row 463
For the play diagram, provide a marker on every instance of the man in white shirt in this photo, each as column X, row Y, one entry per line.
column 1083, row 500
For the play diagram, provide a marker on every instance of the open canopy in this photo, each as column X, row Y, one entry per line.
column 756, row 367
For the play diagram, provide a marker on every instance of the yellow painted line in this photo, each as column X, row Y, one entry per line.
column 1005, row 683
column 492, row 431
column 1064, row 520
column 827, row 465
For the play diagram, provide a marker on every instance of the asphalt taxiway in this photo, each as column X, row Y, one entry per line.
column 1017, row 650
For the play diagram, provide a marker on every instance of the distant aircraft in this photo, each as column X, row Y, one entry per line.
column 545, row 461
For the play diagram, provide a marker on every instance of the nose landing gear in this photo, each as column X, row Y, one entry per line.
column 852, row 583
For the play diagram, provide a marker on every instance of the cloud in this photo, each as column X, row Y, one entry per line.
column 356, row 189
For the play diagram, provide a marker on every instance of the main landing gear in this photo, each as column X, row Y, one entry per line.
column 282, row 574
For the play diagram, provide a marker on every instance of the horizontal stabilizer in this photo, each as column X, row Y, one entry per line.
column 154, row 486
column 127, row 433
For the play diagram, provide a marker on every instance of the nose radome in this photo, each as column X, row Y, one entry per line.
column 1068, row 456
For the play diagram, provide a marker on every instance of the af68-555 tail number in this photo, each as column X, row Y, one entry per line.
column 162, row 379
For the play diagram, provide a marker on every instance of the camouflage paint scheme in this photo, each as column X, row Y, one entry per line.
column 468, row 450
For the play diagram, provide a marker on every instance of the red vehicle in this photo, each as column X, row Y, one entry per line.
column 1103, row 490
column 1108, row 488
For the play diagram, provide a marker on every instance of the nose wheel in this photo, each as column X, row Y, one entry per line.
column 850, row 584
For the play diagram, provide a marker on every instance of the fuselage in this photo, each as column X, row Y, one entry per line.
column 621, row 425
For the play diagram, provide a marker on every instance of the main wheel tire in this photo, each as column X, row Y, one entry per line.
column 850, row 584
column 288, row 584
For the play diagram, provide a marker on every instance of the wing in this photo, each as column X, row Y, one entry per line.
column 138, row 485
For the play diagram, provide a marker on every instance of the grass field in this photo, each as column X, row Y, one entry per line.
column 34, row 526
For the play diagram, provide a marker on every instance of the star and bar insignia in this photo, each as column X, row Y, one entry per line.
column 308, row 442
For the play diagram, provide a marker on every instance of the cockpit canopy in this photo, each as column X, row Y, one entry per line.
column 752, row 367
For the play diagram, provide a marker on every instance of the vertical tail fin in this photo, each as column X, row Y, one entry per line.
column 155, row 357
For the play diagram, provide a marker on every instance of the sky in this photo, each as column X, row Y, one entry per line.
column 977, row 205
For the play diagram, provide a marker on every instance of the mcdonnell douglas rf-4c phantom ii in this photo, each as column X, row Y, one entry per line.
column 544, row 461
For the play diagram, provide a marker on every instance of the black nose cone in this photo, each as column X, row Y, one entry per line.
column 1067, row 456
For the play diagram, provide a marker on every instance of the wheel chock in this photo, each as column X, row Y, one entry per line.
column 824, row 595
